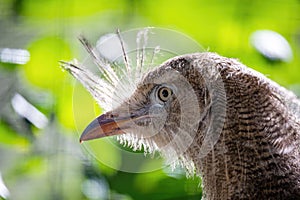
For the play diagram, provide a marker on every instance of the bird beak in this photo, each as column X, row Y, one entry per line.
column 108, row 125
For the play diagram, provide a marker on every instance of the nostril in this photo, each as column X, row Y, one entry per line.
column 112, row 115
column 132, row 115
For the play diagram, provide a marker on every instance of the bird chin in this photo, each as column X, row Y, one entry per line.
column 138, row 141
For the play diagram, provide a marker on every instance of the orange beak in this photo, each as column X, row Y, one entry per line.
column 108, row 125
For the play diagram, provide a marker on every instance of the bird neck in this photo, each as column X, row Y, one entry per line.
column 258, row 146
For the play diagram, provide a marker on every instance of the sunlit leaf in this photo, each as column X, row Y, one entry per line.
column 55, row 9
column 43, row 69
column 10, row 137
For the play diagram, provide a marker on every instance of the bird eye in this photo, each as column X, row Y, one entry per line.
column 164, row 93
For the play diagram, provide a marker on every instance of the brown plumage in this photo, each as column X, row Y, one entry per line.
column 227, row 123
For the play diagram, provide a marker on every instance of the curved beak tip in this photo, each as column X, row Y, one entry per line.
column 92, row 131
column 100, row 127
column 105, row 125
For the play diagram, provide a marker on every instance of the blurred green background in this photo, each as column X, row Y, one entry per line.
column 42, row 159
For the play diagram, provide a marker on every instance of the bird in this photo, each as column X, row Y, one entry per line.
column 223, row 121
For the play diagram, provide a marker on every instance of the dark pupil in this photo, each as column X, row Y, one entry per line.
column 165, row 93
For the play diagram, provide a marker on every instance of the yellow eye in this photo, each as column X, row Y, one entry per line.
column 164, row 93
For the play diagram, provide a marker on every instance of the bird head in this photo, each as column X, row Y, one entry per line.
column 169, row 109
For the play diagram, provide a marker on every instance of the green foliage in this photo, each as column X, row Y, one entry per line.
column 50, row 163
column 42, row 70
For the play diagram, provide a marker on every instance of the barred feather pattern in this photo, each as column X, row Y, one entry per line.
column 242, row 135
